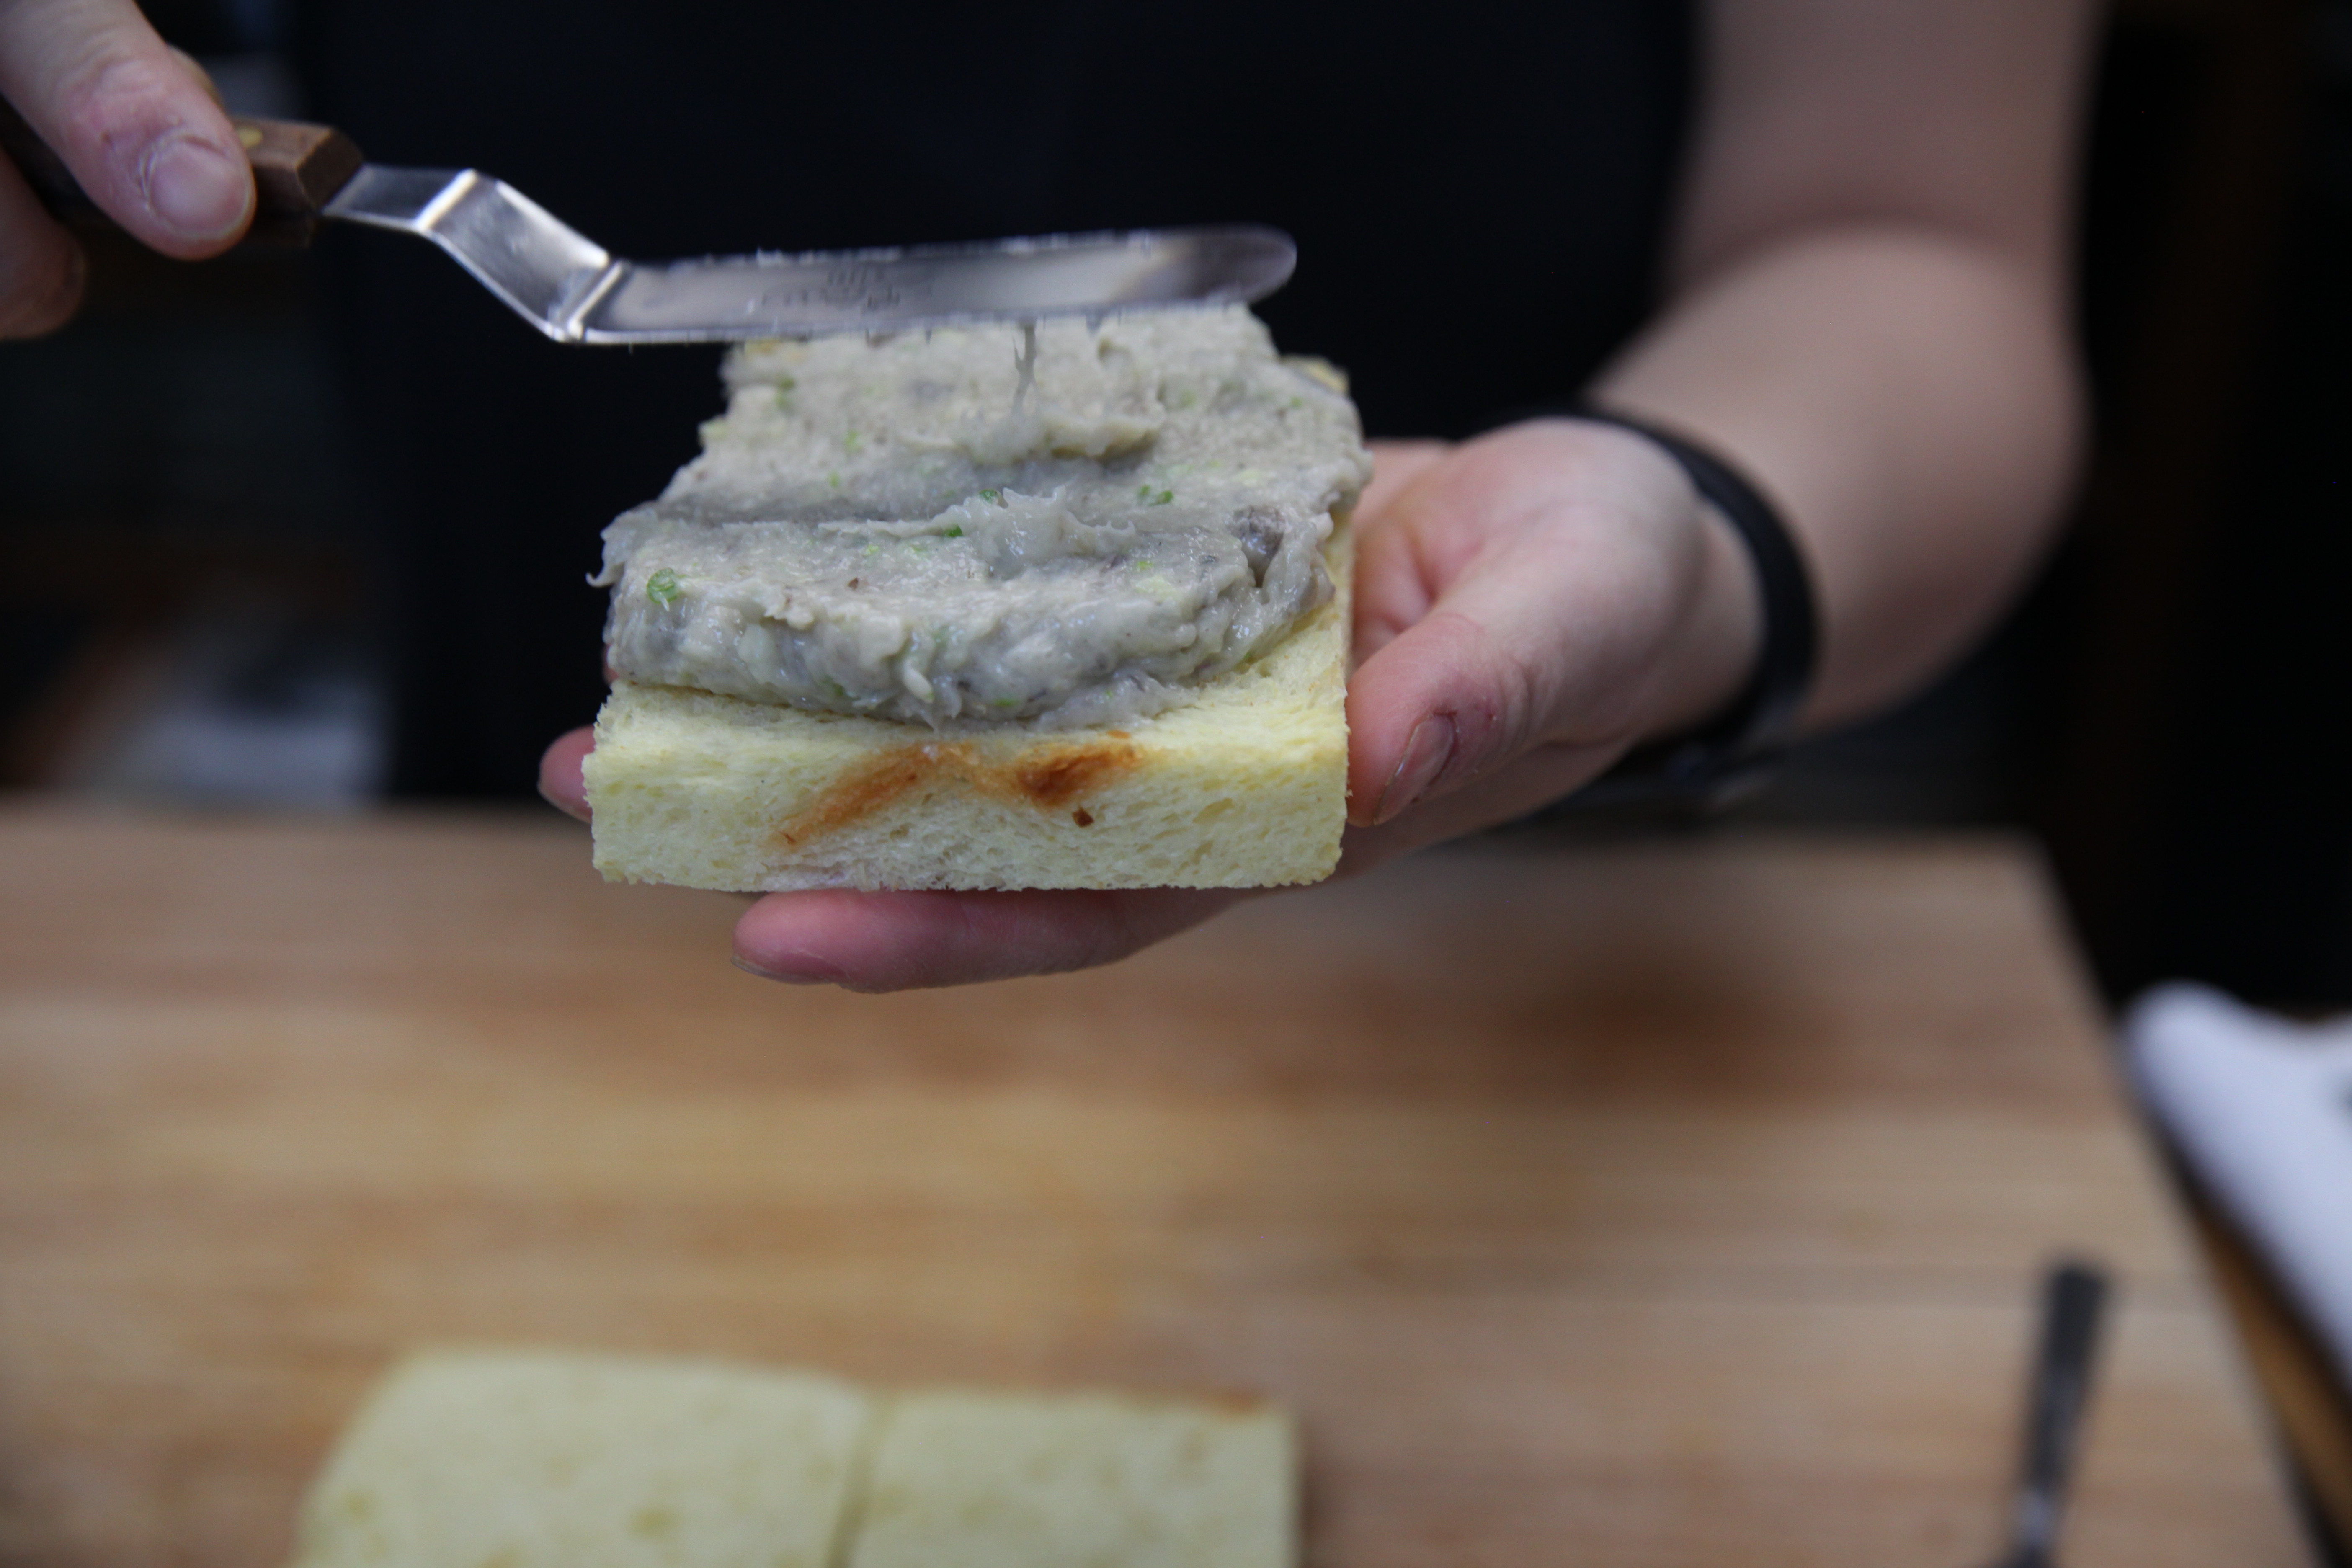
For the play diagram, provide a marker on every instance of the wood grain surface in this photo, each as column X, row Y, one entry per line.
column 1657, row 1206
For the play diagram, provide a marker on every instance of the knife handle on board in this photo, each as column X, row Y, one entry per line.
column 296, row 168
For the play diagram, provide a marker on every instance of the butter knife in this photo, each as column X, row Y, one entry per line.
column 2074, row 1301
column 576, row 291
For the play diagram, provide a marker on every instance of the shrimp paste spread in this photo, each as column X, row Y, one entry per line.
column 1067, row 525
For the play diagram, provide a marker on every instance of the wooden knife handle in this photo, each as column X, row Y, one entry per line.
column 296, row 168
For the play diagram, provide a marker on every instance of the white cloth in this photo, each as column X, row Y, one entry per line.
column 2262, row 1109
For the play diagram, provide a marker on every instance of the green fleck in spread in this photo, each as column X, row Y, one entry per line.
column 995, row 497
column 834, row 479
column 851, row 441
column 955, row 530
column 662, row 588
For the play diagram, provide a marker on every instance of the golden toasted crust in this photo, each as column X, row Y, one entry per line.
column 1245, row 786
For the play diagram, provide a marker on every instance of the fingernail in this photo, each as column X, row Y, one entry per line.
column 806, row 971
column 1426, row 751
column 199, row 190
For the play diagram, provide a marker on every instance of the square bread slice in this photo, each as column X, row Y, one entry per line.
column 1245, row 786
column 1001, row 607
column 998, row 1480
column 527, row 1460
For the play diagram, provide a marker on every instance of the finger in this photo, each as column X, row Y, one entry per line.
column 1526, row 615
column 1450, row 697
column 1395, row 585
column 41, row 267
column 137, row 128
column 559, row 773
column 905, row 940
column 1395, row 465
column 1536, row 780
column 203, row 79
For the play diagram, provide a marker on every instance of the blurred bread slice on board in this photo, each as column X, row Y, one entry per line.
column 542, row 1460
column 1001, row 1480
column 549, row 1459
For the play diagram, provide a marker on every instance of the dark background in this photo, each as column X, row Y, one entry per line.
column 195, row 497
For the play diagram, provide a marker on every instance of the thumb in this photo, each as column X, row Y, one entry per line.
column 1553, row 569
column 1457, row 697
column 132, row 122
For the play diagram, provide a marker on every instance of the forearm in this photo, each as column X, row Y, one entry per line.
column 1909, row 399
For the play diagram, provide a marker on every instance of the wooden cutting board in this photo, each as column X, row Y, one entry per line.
column 1658, row 1206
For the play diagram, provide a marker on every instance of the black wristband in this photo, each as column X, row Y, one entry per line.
column 1734, row 753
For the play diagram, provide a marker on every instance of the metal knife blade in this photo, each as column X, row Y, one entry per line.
column 576, row 291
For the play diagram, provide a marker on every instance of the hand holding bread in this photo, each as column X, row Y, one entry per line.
column 1527, row 607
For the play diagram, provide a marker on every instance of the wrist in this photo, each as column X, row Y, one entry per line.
column 1714, row 654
